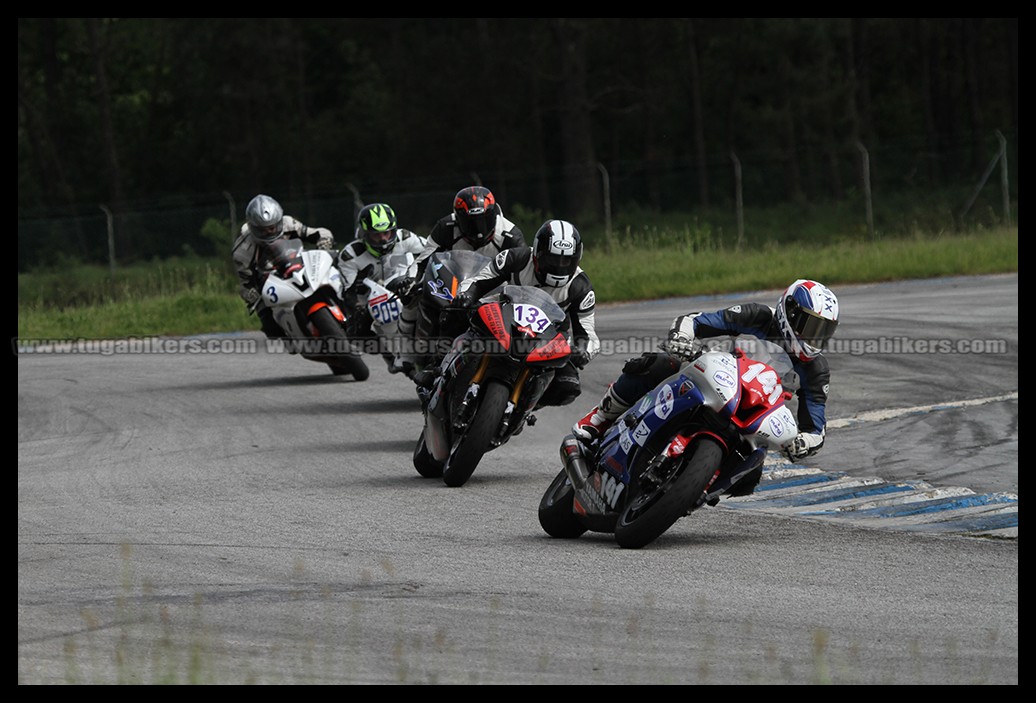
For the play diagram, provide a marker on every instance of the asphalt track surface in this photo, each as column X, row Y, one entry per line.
column 249, row 518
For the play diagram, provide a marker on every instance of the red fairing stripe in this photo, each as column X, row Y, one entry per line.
column 680, row 442
column 336, row 312
column 493, row 318
column 554, row 349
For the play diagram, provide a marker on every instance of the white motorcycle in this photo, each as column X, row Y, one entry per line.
column 304, row 291
column 376, row 307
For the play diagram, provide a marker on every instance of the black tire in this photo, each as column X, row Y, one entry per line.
column 472, row 445
column 650, row 513
column 424, row 462
column 556, row 516
column 340, row 363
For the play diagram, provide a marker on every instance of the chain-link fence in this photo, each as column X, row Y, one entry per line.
column 899, row 177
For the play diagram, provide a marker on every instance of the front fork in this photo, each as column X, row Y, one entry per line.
column 466, row 410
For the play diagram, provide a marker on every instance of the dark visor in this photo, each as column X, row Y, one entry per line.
column 558, row 265
column 813, row 329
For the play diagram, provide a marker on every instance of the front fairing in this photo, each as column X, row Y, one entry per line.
column 524, row 322
column 384, row 306
column 300, row 278
column 445, row 271
column 724, row 393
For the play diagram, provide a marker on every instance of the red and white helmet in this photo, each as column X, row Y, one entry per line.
column 807, row 315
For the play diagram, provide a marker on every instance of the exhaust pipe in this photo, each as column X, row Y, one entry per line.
column 574, row 461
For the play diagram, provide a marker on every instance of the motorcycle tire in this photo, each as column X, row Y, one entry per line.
column 556, row 515
column 651, row 512
column 424, row 462
column 343, row 364
column 473, row 443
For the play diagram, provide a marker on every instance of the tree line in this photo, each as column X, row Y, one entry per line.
column 151, row 112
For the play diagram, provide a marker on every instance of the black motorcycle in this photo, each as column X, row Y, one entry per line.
column 492, row 379
column 436, row 327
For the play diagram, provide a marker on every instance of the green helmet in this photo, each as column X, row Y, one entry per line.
column 377, row 226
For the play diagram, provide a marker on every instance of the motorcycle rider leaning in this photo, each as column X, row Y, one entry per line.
column 801, row 324
column 378, row 234
column 552, row 265
column 265, row 223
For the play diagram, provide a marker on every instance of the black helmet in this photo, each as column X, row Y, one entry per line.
column 265, row 218
column 377, row 226
column 475, row 209
column 556, row 251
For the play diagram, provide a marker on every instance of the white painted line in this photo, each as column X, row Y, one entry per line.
column 890, row 413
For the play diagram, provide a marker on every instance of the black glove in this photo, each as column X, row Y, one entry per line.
column 464, row 299
column 580, row 359
column 402, row 286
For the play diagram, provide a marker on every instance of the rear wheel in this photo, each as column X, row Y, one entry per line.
column 651, row 510
column 339, row 358
column 474, row 442
column 556, row 516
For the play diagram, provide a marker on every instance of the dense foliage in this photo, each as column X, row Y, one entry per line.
column 147, row 114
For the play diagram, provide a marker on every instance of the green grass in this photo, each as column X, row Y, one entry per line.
column 196, row 296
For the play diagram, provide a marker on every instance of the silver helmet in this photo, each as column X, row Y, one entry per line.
column 265, row 218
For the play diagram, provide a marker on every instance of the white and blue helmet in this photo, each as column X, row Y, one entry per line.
column 807, row 315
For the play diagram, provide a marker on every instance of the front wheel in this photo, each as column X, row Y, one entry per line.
column 651, row 511
column 424, row 462
column 472, row 445
column 340, row 361
column 556, row 514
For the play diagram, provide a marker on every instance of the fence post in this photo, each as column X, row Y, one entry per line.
column 866, row 177
column 357, row 201
column 233, row 216
column 606, row 186
column 111, row 240
column 739, row 205
column 1005, row 191
column 982, row 182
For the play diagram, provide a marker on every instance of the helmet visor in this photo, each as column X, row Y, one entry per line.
column 477, row 227
column 268, row 233
column 810, row 328
column 557, row 264
column 380, row 241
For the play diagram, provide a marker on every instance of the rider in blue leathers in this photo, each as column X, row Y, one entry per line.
column 801, row 324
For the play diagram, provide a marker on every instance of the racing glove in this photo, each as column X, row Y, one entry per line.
column 464, row 299
column 326, row 241
column 680, row 341
column 805, row 444
column 580, row 359
column 252, row 297
column 402, row 286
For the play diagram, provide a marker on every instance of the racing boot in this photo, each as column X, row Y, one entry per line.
column 600, row 418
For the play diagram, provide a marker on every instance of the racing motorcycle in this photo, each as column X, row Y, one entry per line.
column 702, row 432
column 375, row 307
column 491, row 381
column 436, row 326
column 303, row 290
